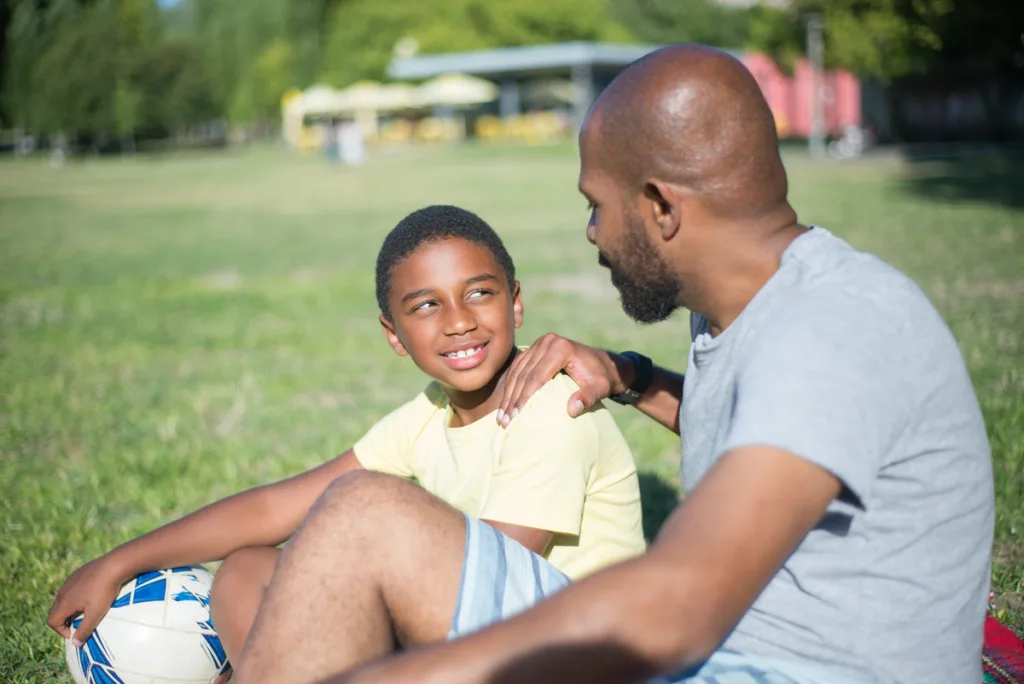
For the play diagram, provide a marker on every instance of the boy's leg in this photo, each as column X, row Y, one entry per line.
column 377, row 557
column 238, row 590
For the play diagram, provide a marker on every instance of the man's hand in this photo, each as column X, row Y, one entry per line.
column 598, row 373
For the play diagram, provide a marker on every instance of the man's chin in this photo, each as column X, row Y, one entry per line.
column 646, row 312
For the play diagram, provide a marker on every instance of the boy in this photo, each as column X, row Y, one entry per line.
column 563, row 493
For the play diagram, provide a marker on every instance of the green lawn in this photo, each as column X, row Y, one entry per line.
column 175, row 329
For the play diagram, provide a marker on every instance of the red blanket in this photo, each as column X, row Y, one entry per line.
column 1003, row 657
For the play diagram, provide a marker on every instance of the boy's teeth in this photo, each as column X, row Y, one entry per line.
column 463, row 353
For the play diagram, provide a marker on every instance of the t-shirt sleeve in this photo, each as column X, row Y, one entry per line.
column 827, row 382
column 388, row 446
column 544, row 465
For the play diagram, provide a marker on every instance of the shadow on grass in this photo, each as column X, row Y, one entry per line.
column 992, row 176
column 658, row 499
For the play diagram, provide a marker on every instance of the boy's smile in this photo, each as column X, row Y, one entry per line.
column 455, row 315
column 466, row 355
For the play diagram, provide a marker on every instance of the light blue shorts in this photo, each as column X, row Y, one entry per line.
column 501, row 577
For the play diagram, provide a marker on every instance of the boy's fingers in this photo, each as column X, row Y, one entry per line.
column 84, row 630
column 57, row 618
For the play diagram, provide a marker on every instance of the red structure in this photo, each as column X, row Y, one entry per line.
column 790, row 96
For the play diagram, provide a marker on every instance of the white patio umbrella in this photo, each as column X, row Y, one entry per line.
column 456, row 90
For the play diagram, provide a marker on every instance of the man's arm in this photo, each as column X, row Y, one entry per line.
column 662, row 612
column 599, row 374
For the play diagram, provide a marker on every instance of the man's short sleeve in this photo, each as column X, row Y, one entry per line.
column 544, row 465
column 827, row 381
column 388, row 446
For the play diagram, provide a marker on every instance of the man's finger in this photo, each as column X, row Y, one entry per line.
column 510, row 380
column 515, row 377
column 581, row 401
column 546, row 364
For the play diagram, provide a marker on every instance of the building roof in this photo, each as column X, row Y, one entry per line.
column 519, row 60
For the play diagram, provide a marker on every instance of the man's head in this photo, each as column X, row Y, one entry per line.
column 448, row 296
column 676, row 154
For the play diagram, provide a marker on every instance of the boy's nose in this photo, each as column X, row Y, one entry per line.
column 460, row 320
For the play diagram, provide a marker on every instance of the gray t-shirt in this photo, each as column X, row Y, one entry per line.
column 843, row 361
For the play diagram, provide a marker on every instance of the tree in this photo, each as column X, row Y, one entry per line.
column 75, row 79
column 127, row 103
column 31, row 30
column 175, row 91
column 881, row 38
column 231, row 35
column 683, row 21
column 361, row 34
column 306, row 22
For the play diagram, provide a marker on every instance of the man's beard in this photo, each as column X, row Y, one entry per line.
column 647, row 287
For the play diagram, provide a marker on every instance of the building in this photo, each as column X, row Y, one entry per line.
column 590, row 67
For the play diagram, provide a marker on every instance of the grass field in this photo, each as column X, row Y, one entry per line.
column 175, row 329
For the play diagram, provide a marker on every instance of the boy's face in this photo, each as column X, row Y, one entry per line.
column 454, row 313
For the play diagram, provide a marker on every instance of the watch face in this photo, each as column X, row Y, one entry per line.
column 628, row 398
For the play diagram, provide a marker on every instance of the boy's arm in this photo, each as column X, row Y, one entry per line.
column 536, row 540
column 599, row 374
column 263, row 516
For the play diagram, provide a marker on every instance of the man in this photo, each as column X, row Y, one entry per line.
column 838, row 515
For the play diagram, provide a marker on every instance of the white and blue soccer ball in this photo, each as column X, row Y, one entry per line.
column 158, row 631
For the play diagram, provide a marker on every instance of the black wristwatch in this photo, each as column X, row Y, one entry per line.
column 644, row 373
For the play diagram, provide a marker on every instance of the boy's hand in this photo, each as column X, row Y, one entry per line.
column 598, row 373
column 90, row 591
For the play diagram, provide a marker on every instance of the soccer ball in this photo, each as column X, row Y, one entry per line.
column 158, row 631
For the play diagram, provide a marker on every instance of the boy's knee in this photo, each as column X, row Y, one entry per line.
column 366, row 490
column 364, row 498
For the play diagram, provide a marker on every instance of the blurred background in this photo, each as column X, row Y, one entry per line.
column 193, row 193
column 128, row 75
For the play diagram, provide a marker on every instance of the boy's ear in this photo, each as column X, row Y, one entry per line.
column 393, row 339
column 517, row 304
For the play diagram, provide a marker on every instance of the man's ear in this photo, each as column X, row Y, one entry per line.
column 664, row 203
column 392, row 335
column 517, row 304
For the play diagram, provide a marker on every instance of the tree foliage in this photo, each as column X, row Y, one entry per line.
column 889, row 39
column 361, row 34
column 683, row 21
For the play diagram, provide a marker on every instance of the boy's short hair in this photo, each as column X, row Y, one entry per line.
column 433, row 224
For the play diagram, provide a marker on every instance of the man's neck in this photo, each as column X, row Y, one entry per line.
column 742, row 272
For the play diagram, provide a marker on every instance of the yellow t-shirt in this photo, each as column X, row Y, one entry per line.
column 572, row 476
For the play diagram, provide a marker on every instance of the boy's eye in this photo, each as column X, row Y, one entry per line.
column 479, row 293
column 422, row 306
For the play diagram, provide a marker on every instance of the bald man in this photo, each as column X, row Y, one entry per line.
column 838, row 515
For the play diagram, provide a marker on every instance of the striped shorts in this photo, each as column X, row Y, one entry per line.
column 501, row 577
